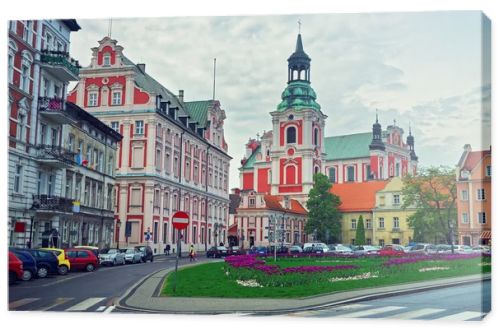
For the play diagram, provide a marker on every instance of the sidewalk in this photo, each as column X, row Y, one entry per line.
column 145, row 297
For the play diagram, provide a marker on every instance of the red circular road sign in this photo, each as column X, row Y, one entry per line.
column 180, row 220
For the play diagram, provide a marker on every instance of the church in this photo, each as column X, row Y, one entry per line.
column 281, row 163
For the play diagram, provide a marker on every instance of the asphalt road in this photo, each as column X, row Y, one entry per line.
column 464, row 302
column 82, row 291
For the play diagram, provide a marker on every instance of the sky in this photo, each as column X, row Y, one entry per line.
column 423, row 69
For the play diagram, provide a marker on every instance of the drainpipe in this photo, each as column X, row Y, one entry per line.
column 206, row 198
column 179, row 248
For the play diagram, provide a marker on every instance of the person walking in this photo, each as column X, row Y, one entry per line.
column 191, row 254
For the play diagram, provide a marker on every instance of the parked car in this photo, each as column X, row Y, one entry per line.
column 132, row 255
column 279, row 250
column 443, row 249
column 82, row 259
column 392, row 250
column 235, row 250
column 111, row 256
column 481, row 249
column 46, row 261
column 64, row 264
column 462, row 249
column 259, row 250
column 339, row 249
column 423, row 249
column 146, row 253
column 365, row 250
column 295, row 249
column 317, row 245
column 15, row 268
column 217, row 252
column 314, row 250
column 94, row 249
column 29, row 263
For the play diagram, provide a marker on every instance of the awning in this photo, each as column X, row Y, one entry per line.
column 485, row 235
column 233, row 230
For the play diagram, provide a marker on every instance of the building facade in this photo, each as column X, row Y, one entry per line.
column 173, row 155
column 474, row 195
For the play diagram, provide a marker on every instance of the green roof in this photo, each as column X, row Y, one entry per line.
column 198, row 110
column 298, row 95
column 251, row 160
column 348, row 146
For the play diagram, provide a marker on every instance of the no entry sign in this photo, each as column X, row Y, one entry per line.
column 180, row 220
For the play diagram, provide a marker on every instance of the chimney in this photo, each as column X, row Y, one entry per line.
column 181, row 95
column 142, row 67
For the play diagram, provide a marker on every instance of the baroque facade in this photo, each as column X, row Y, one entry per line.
column 173, row 155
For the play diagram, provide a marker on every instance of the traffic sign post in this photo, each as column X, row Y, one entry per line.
column 180, row 220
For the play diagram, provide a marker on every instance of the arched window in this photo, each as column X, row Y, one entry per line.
column 290, row 174
column 350, row 174
column 316, row 137
column 12, row 54
column 27, row 60
column 332, row 175
column 316, row 170
column 291, row 135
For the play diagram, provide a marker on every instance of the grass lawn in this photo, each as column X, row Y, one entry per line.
column 219, row 280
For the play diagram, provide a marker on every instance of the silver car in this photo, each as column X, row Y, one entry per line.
column 111, row 256
column 132, row 255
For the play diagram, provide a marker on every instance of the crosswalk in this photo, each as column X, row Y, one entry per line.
column 363, row 310
column 93, row 304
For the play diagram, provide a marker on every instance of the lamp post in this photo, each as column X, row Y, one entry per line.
column 118, row 225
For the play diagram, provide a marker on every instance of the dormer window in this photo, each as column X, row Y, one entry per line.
column 92, row 99
column 106, row 59
column 117, row 98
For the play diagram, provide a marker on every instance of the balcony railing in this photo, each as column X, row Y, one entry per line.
column 51, row 104
column 60, row 58
column 52, row 203
column 52, row 152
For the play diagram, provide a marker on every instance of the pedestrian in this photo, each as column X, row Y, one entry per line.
column 167, row 250
column 191, row 254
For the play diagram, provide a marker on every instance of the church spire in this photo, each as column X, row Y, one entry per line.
column 299, row 63
column 377, row 143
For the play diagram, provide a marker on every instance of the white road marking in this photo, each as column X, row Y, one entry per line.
column 370, row 312
column 57, row 302
column 109, row 309
column 101, row 308
column 87, row 303
column 329, row 310
column 416, row 313
column 462, row 316
column 21, row 302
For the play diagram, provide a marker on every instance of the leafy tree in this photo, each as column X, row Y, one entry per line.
column 324, row 217
column 360, row 232
column 433, row 192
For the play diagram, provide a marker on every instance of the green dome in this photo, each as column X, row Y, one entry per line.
column 298, row 95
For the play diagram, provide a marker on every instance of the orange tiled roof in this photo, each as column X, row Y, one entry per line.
column 273, row 203
column 357, row 196
column 473, row 158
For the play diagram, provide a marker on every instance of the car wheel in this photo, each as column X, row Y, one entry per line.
column 90, row 267
column 42, row 272
column 27, row 275
column 62, row 270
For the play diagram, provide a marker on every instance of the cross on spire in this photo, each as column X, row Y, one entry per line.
column 300, row 24
column 110, row 26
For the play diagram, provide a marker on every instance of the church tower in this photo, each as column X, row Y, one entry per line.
column 298, row 131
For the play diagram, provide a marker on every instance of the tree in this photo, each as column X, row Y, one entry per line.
column 433, row 192
column 360, row 232
column 324, row 217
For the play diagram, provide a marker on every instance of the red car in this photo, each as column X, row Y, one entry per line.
column 15, row 268
column 82, row 259
column 392, row 250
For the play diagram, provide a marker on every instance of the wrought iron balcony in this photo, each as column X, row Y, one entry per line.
column 54, row 108
column 60, row 64
column 52, row 203
column 55, row 156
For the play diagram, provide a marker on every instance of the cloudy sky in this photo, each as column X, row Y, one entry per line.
column 418, row 68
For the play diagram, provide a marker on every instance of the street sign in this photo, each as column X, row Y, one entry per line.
column 180, row 220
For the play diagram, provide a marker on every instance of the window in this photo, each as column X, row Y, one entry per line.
column 106, row 60
column 158, row 159
column 481, row 217
column 139, row 127
column 369, row 175
column 368, row 224
column 92, row 99
column 395, row 241
column 381, row 242
column 12, row 53
column 71, row 142
column 21, row 123
column 137, row 157
column 13, row 25
column 465, row 218
column 86, row 194
column 115, row 126
column 18, row 179
column 381, row 222
column 25, row 78
column 395, row 222
column 135, row 197
column 397, row 169
column 53, row 137
column 316, row 137
column 481, row 196
column 291, row 135
column 488, row 171
column 117, row 98
column 290, row 172
column 195, row 236
column 353, row 224
column 49, row 42
column 465, row 195
column 350, row 174
column 368, row 241
column 251, row 202
column 395, row 200
column 28, row 32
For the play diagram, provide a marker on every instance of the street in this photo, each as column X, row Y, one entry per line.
column 84, row 291
column 464, row 302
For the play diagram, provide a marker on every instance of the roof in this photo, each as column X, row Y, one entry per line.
column 234, row 203
column 251, row 160
column 348, row 146
column 71, row 24
column 199, row 111
column 81, row 114
column 357, row 196
column 473, row 158
column 273, row 202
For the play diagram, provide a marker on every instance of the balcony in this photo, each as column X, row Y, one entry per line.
column 55, row 156
column 54, row 109
column 60, row 65
column 52, row 203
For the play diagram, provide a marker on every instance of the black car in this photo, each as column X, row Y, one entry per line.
column 217, row 252
column 147, row 253
column 46, row 261
column 29, row 263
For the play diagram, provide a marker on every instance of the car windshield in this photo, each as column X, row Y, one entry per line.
column 129, row 251
column 221, row 248
column 111, row 251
